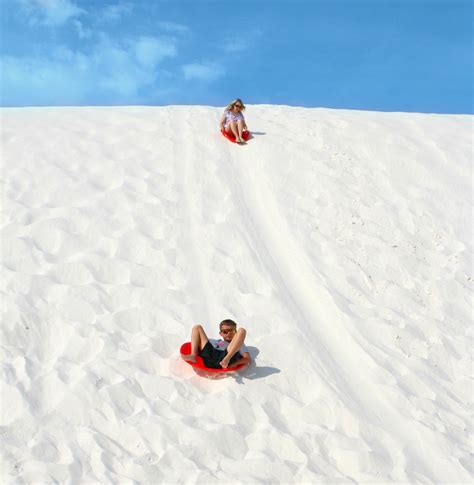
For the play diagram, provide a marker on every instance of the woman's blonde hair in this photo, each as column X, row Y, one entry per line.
column 230, row 106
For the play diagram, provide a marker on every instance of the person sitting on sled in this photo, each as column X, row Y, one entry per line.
column 233, row 121
column 229, row 351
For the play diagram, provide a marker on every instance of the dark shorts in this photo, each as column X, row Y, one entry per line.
column 212, row 356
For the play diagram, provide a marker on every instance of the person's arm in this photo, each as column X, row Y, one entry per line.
column 244, row 360
column 222, row 122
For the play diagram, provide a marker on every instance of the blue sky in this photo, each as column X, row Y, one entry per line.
column 385, row 55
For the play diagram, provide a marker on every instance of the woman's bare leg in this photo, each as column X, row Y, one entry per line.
column 240, row 128
column 233, row 347
column 234, row 130
column 198, row 341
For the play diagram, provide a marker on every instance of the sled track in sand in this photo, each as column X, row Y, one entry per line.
column 190, row 207
column 339, row 355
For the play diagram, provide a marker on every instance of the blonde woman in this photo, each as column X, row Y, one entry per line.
column 233, row 121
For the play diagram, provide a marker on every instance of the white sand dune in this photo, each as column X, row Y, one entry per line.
column 340, row 239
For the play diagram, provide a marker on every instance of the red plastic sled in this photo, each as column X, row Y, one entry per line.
column 231, row 137
column 201, row 369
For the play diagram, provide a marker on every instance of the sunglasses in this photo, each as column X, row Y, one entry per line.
column 238, row 106
column 230, row 330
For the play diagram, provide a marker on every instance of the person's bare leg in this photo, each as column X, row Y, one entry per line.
column 233, row 347
column 234, row 130
column 198, row 341
column 240, row 128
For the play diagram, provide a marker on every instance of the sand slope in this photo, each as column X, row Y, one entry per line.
column 341, row 240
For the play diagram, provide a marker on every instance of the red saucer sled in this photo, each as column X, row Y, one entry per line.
column 204, row 371
column 231, row 137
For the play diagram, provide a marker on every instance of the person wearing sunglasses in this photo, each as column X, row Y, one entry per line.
column 233, row 121
column 227, row 351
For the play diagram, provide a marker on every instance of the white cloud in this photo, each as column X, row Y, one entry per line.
column 82, row 32
column 113, row 13
column 237, row 45
column 204, row 71
column 173, row 27
column 50, row 12
column 110, row 71
column 125, row 68
column 234, row 45
column 34, row 81
column 150, row 51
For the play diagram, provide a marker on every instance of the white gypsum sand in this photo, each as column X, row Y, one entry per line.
column 340, row 239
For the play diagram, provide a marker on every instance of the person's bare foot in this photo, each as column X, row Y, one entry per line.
column 224, row 363
column 189, row 357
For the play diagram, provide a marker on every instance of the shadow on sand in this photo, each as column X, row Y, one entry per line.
column 254, row 371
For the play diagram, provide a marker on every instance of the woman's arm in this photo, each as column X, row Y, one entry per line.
column 222, row 122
